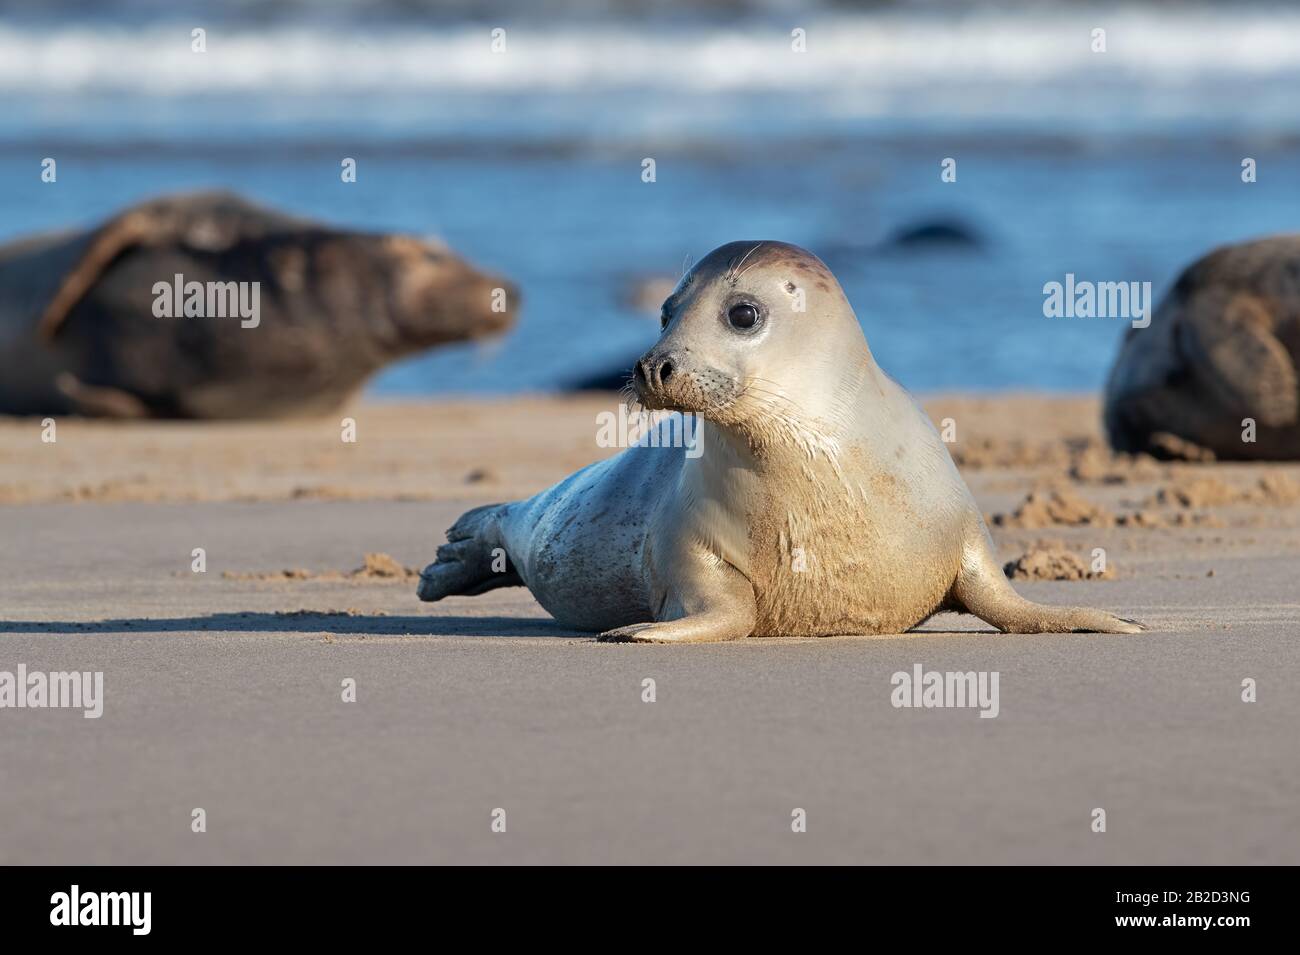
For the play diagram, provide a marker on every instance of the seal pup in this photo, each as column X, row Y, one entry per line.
column 1222, row 346
column 821, row 500
column 81, row 331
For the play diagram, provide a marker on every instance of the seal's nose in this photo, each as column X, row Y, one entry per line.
column 652, row 373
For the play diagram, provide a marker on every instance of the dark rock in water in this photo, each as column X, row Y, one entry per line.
column 204, row 305
column 934, row 233
column 610, row 380
column 1215, row 373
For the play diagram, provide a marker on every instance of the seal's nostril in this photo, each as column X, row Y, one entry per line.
column 665, row 370
column 638, row 374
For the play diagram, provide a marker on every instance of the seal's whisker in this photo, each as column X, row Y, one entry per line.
column 733, row 272
column 740, row 271
column 779, row 390
column 755, row 385
column 627, row 395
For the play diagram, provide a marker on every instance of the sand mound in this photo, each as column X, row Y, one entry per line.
column 1049, row 560
column 985, row 453
column 1096, row 464
column 1276, row 488
column 1197, row 492
column 1154, row 519
column 1055, row 506
column 381, row 565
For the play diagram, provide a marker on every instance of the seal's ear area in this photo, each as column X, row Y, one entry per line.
column 1228, row 341
column 204, row 221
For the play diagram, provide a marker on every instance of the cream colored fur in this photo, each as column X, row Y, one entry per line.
column 824, row 501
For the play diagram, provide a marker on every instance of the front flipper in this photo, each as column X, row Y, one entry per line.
column 1230, row 344
column 99, row 401
column 707, row 601
column 701, row 628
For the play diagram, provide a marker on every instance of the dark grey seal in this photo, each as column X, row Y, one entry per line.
column 81, row 330
column 1222, row 347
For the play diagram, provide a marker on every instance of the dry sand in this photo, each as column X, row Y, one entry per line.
column 223, row 688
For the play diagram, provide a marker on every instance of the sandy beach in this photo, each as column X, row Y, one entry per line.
column 222, row 688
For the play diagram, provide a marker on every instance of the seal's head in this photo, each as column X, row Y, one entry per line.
column 755, row 329
column 432, row 295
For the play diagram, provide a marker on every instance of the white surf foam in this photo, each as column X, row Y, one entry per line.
column 886, row 53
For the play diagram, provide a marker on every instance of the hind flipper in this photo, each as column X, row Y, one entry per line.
column 473, row 561
column 463, row 568
column 983, row 590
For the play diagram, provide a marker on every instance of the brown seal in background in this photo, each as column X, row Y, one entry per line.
column 78, row 331
column 1222, row 347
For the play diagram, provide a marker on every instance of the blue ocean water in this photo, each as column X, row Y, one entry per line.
column 1122, row 166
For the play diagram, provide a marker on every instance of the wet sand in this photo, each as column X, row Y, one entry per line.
column 223, row 689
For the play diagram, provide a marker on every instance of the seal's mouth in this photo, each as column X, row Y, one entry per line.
column 662, row 383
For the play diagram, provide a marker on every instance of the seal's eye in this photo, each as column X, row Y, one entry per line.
column 663, row 318
column 742, row 316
